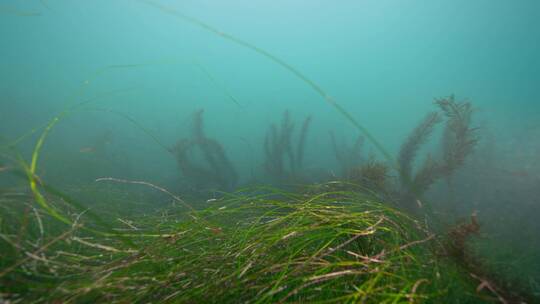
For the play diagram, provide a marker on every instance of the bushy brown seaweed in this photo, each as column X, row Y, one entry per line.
column 371, row 174
column 458, row 141
column 410, row 147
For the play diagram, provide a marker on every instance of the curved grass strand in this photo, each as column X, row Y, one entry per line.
column 31, row 169
column 216, row 83
column 40, row 199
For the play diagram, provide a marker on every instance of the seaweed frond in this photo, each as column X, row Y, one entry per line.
column 371, row 175
column 410, row 148
column 217, row 171
column 458, row 141
column 284, row 161
column 459, row 138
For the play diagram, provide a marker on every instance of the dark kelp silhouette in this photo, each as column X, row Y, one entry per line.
column 212, row 169
column 458, row 141
column 284, row 161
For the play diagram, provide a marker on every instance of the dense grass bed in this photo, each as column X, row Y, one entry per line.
column 256, row 246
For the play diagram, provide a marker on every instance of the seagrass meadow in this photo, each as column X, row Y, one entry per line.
column 177, row 151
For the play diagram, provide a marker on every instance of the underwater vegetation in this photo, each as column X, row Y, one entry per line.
column 320, row 243
column 212, row 170
column 458, row 141
column 284, row 156
column 372, row 174
column 359, row 170
column 274, row 247
column 325, row 242
column 368, row 234
column 329, row 242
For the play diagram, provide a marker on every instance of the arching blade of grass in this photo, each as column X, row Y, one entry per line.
column 31, row 169
column 216, row 83
column 40, row 199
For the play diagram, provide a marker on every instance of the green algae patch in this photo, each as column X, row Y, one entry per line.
column 255, row 246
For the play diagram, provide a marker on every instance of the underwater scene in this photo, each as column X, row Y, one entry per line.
column 300, row 151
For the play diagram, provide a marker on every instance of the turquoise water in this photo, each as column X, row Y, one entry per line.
column 145, row 67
